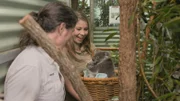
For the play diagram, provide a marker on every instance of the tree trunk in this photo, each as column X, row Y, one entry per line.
column 67, row 69
column 74, row 4
column 127, row 50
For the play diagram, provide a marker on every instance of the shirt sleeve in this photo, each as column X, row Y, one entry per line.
column 23, row 84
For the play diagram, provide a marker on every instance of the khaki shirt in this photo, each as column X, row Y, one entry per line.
column 34, row 76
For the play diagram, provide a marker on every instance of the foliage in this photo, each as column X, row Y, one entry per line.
column 83, row 6
column 162, row 54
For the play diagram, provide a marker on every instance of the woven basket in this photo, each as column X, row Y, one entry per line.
column 102, row 89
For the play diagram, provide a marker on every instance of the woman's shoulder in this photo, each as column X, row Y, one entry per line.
column 30, row 55
column 30, row 52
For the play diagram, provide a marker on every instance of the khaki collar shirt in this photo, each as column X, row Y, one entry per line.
column 34, row 76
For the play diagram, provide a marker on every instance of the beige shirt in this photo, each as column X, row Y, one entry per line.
column 34, row 76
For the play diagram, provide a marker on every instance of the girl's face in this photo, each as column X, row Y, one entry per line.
column 80, row 31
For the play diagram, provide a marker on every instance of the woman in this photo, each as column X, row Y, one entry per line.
column 34, row 75
column 81, row 43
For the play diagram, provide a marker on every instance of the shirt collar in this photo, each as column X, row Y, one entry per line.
column 44, row 53
column 49, row 59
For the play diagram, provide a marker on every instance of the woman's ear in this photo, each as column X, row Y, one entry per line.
column 61, row 28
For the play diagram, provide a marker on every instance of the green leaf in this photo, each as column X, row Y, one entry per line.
column 110, row 29
column 168, row 33
column 163, row 97
column 110, row 36
column 170, row 83
column 173, row 24
column 157, row 61
column 158, row 0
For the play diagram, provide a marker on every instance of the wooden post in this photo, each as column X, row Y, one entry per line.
column 66, row 68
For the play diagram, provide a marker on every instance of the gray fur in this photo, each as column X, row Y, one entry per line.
column 101, row 63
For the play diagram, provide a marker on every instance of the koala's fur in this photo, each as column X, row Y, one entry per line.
column 101, row 63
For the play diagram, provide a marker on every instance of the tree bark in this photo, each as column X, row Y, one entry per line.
column 74, row 4
column 66, row 68
column 127, row 51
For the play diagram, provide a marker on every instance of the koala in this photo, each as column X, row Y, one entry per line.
column 101, row 63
